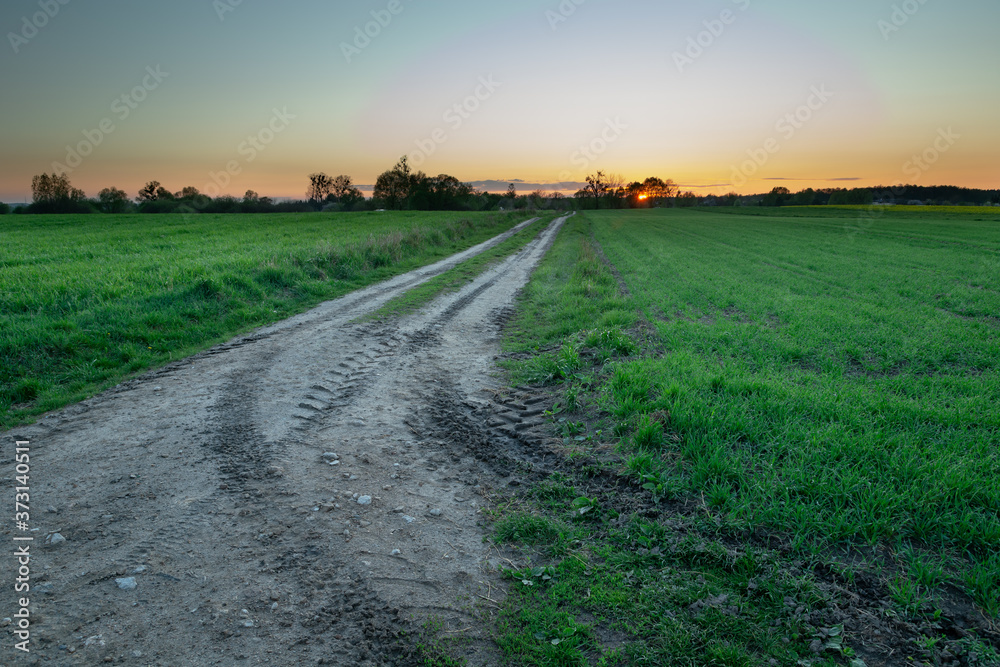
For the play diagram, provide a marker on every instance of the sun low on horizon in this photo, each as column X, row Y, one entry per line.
column 721, row 96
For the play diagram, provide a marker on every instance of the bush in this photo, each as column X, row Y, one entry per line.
column 4, row 209
column 62, row 207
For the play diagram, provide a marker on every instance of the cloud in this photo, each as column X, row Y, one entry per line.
column 524, row 187
column 780, row 178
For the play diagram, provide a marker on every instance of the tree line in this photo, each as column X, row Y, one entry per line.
column 400, row 188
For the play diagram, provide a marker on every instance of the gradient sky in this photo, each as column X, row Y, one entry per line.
column 606, row 78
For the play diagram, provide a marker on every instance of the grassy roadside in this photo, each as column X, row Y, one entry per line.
column 460, row 276
column 681, row 413
column 86, row 302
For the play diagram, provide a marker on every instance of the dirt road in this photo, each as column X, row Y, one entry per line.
column 293, row 497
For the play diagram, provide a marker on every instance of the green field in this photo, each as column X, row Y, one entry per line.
column 804, row 380
column 86, row 301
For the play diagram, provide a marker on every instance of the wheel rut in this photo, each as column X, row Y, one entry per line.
column 300, row 495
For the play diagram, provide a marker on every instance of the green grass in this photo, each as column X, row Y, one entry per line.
column 833, row 387
column 458, row 277
column 86, row 301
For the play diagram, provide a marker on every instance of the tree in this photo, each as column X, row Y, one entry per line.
column 55, row 189
column 615, row 188
column 190, row 192
column 148, row 192
column 393, row 187
column 658, row 191
column 687, row 199
column 251, row 197
column 113, row 200
column 162, row 194
column 344, row 191
column 537, row 199
column 776, row 197
column 320, row 186
column 511, row 192
column 597, row 187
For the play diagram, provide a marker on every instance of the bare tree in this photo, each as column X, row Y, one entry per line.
column 320, row 187
column 615, row 186
column 597, row 186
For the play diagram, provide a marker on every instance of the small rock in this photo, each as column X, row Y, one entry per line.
column 52, row 510
column 331, row 455
column 816, row 646
column 136, row 654
column 353, row 477
column 460, row 499
column 365, row 500
column 356, row 422
column 274, row 606
column 408, row 519
column 127, row 584
column 248, row 623
column 7, row 621
column 334, row 463
column 435, row 512
column 54, row 539
column 140, row 569
column 395, row 552
column 399, row 510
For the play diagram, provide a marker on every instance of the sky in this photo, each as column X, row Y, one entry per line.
column 720, row 96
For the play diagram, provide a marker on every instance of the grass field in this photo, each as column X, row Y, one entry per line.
column 86, row 301
column 829, row 385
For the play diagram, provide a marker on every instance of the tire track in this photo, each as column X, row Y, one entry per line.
column 228, row 486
